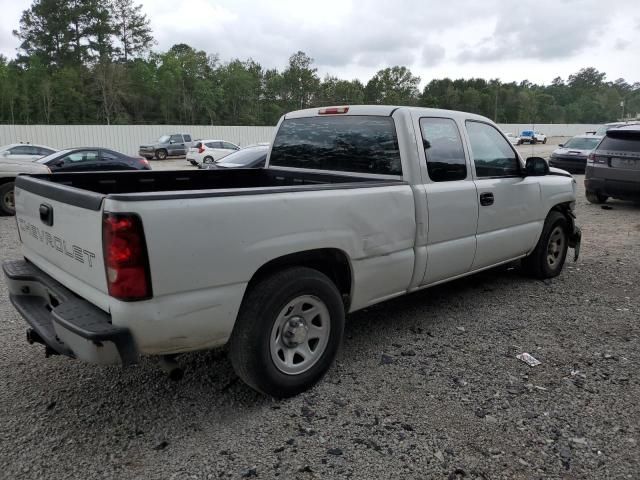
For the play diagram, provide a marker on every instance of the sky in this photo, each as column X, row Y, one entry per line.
column 511, row 40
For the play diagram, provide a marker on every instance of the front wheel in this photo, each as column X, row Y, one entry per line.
column 547, row 259
column 288, row 332
column 544, row 141
column 595, row 197
column 7, row 200
column 161, row 154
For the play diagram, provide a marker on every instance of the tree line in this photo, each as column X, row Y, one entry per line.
column 92, row 62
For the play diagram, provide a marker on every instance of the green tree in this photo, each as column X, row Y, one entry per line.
column 393, row 86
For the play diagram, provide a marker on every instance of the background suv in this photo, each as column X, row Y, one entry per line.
column 532, row 136
column 613, row 168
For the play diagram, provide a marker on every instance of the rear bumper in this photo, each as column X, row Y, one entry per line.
column 627, row 189
column 65, row 323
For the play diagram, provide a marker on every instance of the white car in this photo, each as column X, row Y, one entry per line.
column 513, row 139
column 209, row 151
column 24, row 151
column 346, row 213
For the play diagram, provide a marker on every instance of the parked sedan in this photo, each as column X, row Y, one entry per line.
column 514, row 140
column 572, row 155
column 250, row 157
column 70, row 160
column 209, row 151
column 24, row 151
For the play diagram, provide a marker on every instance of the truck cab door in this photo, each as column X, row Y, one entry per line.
column 452, row 202
column 176, row 145
column 509, row 203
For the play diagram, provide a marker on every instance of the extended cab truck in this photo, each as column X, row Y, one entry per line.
column 174, row 145
column 356, row 205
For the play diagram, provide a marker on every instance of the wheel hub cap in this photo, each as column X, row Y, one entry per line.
column 295, row 332
column 300, row 335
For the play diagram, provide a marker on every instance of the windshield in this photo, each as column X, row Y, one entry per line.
column 53, row 155
column 244, row 157
column 582, row 143
column 164, row 139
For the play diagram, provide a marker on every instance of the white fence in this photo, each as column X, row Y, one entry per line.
column 127, row 138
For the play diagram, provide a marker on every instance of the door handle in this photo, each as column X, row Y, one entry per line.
column 486, row 199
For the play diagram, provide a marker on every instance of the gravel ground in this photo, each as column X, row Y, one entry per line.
column 426, row 386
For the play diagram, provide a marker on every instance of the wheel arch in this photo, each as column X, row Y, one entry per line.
column 332, row 262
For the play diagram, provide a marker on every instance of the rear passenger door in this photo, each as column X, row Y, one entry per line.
column 509, row 203
column 452, row 202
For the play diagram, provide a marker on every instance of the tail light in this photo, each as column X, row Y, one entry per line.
column 201, row 149
column 593, row 158
column 144, row 162
column 125, row 257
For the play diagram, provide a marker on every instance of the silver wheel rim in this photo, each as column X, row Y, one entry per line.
column 300, row 335
column 555, row 247
column 9, row 200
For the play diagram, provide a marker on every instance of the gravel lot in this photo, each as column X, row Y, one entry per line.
column 426, row 386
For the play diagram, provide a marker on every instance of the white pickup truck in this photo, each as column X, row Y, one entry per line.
column 357, row 205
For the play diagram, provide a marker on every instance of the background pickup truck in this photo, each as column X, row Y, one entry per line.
column 356, row 205
column 174, row 145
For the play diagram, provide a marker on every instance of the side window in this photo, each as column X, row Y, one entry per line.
column 44, row 151
column 176, row 139
column 229, row 146
column 21, row 150
column 492, row 154
column 187, row 138
column 443, row 148
column 109, row 156
column 83, row 156
column 214, row 144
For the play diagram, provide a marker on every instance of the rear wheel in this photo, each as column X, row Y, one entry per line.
column 7, row 200
column 207, row 159
column 548, row 257
column 595, row 197
column 161, row 154
column 544, row 141
column 288, row 332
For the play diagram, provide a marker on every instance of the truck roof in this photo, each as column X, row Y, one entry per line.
column 385, row 111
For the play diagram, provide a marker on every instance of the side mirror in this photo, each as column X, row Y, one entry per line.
column 536, row 167
column 172, row 141
column 561, row 145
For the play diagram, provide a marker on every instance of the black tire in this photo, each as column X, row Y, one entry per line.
column 250, row 347
column 544, row 141
column 148, row 157
column 7, row 201
column 207, row 159
column 161, row 154
column 546, row 261
column 534, row 141
column 595, row 197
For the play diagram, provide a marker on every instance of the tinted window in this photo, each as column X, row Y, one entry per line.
column 44, row 151
column 621, row 143
column 443, row 149
column 82, row 156
column 23, row 150
column 229, row 146
column 245, row 157
column 365, row 144
column 111, row 156
column 214, row 144
column 582, row 143
column 176, row 138
column 492, row 153
column 187, row 138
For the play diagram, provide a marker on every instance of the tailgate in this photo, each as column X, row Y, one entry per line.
column 61, row 233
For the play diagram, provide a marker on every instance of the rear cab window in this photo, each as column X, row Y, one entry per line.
column 443, row 149
column 351, row 143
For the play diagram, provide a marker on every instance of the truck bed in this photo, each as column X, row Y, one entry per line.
column 89, row 189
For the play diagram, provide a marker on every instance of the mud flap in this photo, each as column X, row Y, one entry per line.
column 574, row 242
